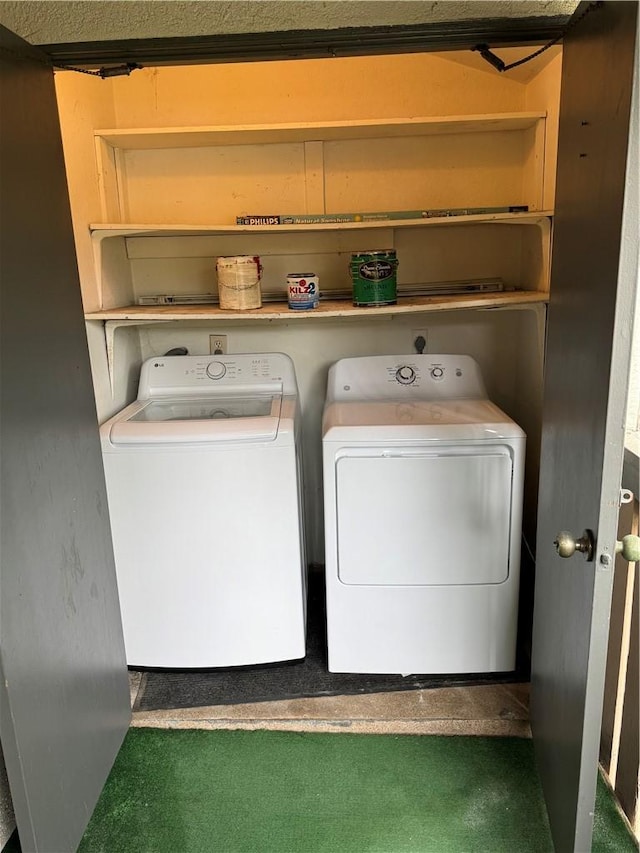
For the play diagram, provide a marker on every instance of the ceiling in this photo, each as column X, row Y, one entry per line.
column 50, row 22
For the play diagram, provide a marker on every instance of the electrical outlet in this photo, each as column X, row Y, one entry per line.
column 418, row 333
column 217, row 344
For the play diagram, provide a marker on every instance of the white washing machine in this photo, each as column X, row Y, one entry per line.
column 203, row 481
column 423, row 482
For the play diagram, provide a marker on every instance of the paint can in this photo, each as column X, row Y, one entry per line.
column 373, row 275
column 303, row 290
column 239, row 282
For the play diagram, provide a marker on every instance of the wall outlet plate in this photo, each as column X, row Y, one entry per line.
column 217, row 344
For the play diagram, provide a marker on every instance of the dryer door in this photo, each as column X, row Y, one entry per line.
column 424, row 517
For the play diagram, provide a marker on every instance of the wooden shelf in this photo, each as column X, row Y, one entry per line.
column 327, row 309
column 101, row 231
column 192, row 137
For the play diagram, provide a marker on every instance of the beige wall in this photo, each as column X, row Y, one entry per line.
column 311, row 90
column 508, row 344
column 84, row 103
column 543, row 93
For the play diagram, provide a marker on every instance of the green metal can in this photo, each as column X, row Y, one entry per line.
column 374, row 277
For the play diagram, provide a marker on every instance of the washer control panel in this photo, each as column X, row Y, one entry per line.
column 216, row 369
column 184, row 375
column 413, row 377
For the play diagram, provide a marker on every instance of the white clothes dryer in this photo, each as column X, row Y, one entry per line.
column 423, row 484
column 203, row 478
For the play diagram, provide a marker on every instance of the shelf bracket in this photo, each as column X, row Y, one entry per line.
column 110, row 329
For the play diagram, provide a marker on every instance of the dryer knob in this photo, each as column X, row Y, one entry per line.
column 405, row 375
column 216, row 370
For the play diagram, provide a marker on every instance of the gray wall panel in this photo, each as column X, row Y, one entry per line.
column 65, row 703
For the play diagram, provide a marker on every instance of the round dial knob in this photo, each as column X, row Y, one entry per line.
column 405, row 374
column 216, row 370
column 437, row 373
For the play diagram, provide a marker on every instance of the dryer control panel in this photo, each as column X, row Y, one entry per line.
column 413, row 377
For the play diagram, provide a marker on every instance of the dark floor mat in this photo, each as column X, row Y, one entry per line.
column 167, row 689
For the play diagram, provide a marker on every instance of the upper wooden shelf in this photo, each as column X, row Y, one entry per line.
column 192, row 137
column 103, row 230
column 328, row 308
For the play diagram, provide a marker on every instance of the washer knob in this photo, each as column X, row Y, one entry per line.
column 405, row 374
column 216, row 370
column 437, row 373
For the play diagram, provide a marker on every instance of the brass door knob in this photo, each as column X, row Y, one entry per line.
column 566, row 544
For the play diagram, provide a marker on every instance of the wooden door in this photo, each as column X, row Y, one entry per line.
column 594, row 274
column 64, row 698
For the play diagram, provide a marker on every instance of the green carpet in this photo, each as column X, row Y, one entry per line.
column 272, row 792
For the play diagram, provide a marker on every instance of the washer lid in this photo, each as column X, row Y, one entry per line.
column 210, row 419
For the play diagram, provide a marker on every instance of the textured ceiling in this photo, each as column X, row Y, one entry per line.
column 60, row 21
